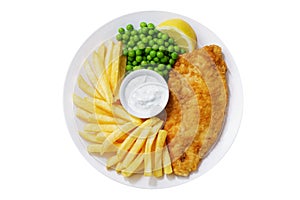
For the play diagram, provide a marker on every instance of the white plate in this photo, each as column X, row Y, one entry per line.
column 205, row 37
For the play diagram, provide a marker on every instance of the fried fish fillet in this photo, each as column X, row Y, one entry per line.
column 197, row 107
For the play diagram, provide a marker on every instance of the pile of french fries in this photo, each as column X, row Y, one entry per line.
column 135, row 145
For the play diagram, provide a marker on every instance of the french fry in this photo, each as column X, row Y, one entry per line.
column 103, row 105
column 99, row 67
column 103, row 84
column 148, row 156
column 167, row 161
column 109, row 60
column 114, row 73
column 119, row 112
column 94, row 148
column 83, row 104
column 160, row 141
column 86, row 88
column 92, row 77
column 112, row 161
column 85, row 116
column 108, row 128
column 97, row 148
column 105, row 119
column 125, row 146
column 90, row 137
column 97, row 118
column 121, row 74
column 101, row 137
column 102, row 112
column 148, row 149
column 136, row 147
column 118, row 133
column 133, row 166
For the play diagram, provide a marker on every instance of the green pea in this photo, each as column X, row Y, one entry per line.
column 144, row 63
column 130, row 58
column 156, row 69
column 152, row 53
column 131, row 53
column 145, row 40
column 138, row 67
column 138, row 58
column 171, row 41
column 143, row 24
column 136, row 38
column 160, row 42
column 164, row 59
column 142, row 36
column 152, row 62
column 155, row 39
column 131, row 43
column 125, row 52
column 165, row 72
column 125, row 37
column 134, row 63
column 176, row 48
column 128, row 67
column 138, row 52
column 171, row 48
column 160, row 54
column 129, row 27
column 156, row 59
column 162, row 48
column 160, row 73
column 135, row 48
column 119, row 37
column 169, row 66
column 121, row 30
column 141, row 46
column 145, row 58
column 145, row 30
column 134, row 32
column 127, row 33
column 161, row 67
column 167, row 44
column 147, row 50
column 150, row 68
column 155, row 47
column 149, row 57
column 151, row 26
column 171, row 61
column 174, row 55
column 165, row 36
column 129, row 62
column 149, row 37
column 151, row 43
column 182, row 51
column 159, row 35
column 151, row 32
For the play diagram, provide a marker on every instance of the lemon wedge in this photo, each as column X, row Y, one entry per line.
column 182, row 33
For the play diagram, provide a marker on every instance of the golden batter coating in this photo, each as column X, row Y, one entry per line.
column 196, row 108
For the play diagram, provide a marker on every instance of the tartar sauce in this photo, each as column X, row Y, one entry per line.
column 144, row 93
column 148, row 97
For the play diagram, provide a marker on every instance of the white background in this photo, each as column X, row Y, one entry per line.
column 38, row 40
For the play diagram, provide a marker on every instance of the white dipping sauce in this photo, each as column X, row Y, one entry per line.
column 144, row 93
column 148, row 97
